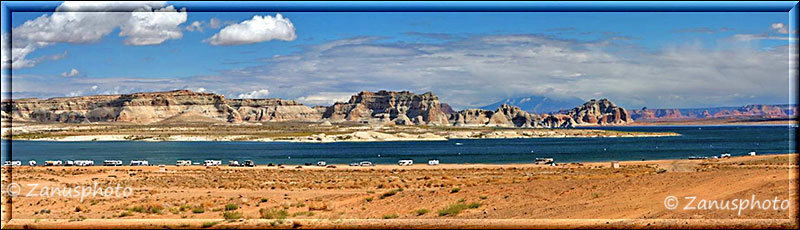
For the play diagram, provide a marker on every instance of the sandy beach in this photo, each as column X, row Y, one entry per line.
column 589, row 195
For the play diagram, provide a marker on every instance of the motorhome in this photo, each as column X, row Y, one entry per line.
column 322, row 163
column 32, row 163
column 725, row 155
column 544, row 161
column 405, row 162
column 12, row 163
column 353, row 163
column 112, row 163
column 433, row 162
column 234, row 163
column 752, row 153
column 212, row 163
column 84, row 163
column 365, row 163
column 183, row 163
column 248, row 163
column 140, row 163
column 69, row 163
column 52, row 163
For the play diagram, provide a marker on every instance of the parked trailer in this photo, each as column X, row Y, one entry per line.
column 545, row 161
column 52, row 163
column 32, row 163
column 234, row 164
column 139, row 163
column 249, row 163
column 12, row 163
column 183, row 163
column 212, row 163
column 112, row 163
column 433, row 162
column 405, row 162
column 84, row 163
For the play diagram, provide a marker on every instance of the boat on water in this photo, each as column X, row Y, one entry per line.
column 459, row 143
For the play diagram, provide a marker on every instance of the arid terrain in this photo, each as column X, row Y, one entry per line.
column 593, row 195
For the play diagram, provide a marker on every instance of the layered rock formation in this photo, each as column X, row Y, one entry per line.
column 178, row 106
column 503, row 116
column 403, row 108
column 765, row 111
column 599, row 112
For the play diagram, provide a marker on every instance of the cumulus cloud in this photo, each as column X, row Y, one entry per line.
column 147, row 23
column 779, row 28
column 195, row 25
column 258, row 29
column 262, row 93
column 71, row 73
column 325, row 98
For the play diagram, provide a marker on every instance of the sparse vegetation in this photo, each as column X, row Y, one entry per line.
column 209, row 224
column 453, row 209
column 231, row 215
column 455, row 190
column 390, row 216
column 421, row 211
column 390, row 193
column 303, row 213
column 231, row 207
column 272, row 213
column 483, row 197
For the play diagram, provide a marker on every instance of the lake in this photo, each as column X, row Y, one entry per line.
column 694, row 140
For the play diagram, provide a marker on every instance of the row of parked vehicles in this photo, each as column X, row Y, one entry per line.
column 246, row 163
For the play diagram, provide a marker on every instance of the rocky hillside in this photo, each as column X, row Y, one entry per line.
column 403, row 108
column 537, row 103
column 765, row 111
column 175, row 106
column 382, row 107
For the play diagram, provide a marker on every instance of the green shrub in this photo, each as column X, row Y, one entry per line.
column 452, row 209
column 421, row 211
column 474, row 205
column 126, row 213
column 368, row 199
column 303, row 213
column 198, row 210
column 230, row 215
column 390, row 216
column 483, row 197
column 455, row 190
column 272, row 213
column 263, row 200
column 231, row 207
column 209, row 224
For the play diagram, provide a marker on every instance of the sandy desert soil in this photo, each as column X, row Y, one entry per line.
column 591, row 195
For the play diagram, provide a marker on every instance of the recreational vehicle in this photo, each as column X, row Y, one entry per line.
column 69, row 163
column 365, row 163
column 12, row 163
column 140, row 163
column 234, row 163
column 249, row 163
column 84, row 163
column 752, row 153
column 183, row 163
column 52, row 163
column 405, row 162
column 32, row 163
column 433, row 162
column 322, row 163
column 212, row 163
column 725, row 155
column 112, row 163
column 543, row 161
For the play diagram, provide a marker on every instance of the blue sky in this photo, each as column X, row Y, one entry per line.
column 468, row 59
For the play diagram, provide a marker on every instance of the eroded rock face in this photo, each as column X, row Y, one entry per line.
column 179, row 105
column 504, row 116
column 599, row 112
column 399, row 107
column 766, row 111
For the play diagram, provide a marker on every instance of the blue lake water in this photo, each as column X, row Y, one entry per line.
column 694, row 140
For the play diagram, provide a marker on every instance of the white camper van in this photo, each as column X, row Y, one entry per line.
column 405, row 162
column 140, row 163
column 183, row 163
column 52, row 163
column 84, row 163
column 112, row 163
column 433, row 162
column 212, row 163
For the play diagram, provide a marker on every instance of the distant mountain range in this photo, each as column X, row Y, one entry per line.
column 537, row 104
column 765, row 111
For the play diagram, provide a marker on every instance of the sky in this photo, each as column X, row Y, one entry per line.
column 468, row 59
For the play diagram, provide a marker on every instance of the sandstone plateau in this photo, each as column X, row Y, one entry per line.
column 382, row 107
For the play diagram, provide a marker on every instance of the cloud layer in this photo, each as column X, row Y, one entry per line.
column 257, row 29
column 149, row 23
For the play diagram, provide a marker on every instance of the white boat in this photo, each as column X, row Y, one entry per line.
column 433, row 162
column 183, row 163
column 405, row 162
column 725, row 155
column 459, row 143
column 84, row 163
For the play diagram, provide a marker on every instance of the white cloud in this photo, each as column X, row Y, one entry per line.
column 262, row 93
column 88, row 22
column 145, row 27
column 214, row 23
column 751, row 37
column 71, row 73
column 780, row 28
column 325, row 98
column 257, row 29
column 196, row 25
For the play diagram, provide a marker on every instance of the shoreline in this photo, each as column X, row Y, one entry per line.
column 421, row 165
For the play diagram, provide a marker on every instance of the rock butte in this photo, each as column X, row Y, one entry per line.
column 382, row 107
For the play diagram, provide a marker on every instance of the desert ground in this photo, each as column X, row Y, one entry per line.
column 588, row 195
